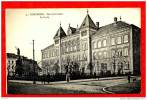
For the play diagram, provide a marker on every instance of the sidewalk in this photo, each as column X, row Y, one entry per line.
column 71, row 81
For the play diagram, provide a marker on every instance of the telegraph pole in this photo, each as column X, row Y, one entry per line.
column 34, row 82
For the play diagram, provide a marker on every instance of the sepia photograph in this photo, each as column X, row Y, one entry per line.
column 73, row 51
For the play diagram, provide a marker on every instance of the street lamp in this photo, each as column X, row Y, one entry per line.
column 34, row 82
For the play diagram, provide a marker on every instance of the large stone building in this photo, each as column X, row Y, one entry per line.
column 113, row 48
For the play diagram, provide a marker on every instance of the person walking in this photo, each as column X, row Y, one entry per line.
column 129, row 78
column 68, row 77
column 48, row 78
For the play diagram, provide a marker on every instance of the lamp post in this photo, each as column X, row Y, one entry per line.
column 34, row 82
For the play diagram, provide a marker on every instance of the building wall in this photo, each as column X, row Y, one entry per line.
column 104, row 52
column 114, row 50
column 11, row 64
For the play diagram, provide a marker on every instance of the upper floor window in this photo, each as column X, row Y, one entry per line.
column 104, row 43
column 94, row 45
column 83, row 33
column 125, row 38
column 112, row 41
column 56, row 41
column 119, row 41
column 126, row 51
column 99, row 44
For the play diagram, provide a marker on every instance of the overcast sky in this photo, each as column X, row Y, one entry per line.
column 24, row 25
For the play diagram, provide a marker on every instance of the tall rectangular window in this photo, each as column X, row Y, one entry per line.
column 104, row 43
column 99, row 44
column 94, row 45
column 126, row 51
column 112, row 41
column 119, row 40
column 105, row 54
column 125, row 38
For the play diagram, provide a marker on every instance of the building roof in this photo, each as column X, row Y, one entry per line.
column 73, row 30
column 111, row 27
column 60, row 33
column 52, row 45
column 88, row 22
column 11, row 55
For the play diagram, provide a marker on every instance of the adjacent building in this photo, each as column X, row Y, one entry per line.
column 113, row 48
column 27, row 65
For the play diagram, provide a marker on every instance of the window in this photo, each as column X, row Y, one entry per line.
column 100, row 54
column 56, row 41
column 86, row 46
column 94, row 55
column 104, row 43
column 125, row 38
column 99, row 44
column 94, row 45
column 105, row 54
column 126, row 52
column 84, row 33
column 113, row 53
column 112, row 41
column 119, row 53
column 127, row 66
column 119, row 40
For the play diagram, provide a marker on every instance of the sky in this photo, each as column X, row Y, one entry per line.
column 40, row 25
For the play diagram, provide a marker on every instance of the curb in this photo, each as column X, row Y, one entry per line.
column 104, row 89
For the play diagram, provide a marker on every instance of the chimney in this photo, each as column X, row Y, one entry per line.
column 97, row 25
column 115, row 19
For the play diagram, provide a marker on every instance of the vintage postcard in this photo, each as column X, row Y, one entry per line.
column 70, row 49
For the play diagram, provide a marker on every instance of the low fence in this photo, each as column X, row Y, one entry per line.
column 60, row 77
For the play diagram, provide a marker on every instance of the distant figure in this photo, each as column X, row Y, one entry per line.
column 68, row 77
column 48, row 78
column 94, row 75
column 18, row 51
column 44, row 78
column 98, row 77
column 129, row 78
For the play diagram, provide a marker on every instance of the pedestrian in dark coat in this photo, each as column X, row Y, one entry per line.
column 48, row 78
column 129, row 78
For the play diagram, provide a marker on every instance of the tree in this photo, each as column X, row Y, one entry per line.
column 56, row 68
column 19, row 67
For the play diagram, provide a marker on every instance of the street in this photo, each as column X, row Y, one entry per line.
column 74, row 86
